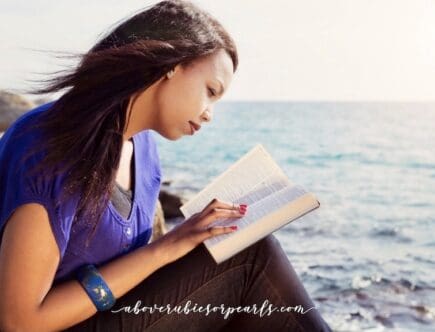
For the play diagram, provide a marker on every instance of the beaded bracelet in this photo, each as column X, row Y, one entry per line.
column 95, row 287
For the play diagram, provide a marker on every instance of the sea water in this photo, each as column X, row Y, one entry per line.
column 367, row 255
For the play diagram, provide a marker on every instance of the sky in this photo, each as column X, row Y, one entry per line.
column 306, row 50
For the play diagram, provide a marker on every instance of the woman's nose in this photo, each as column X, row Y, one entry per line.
column 206, row 116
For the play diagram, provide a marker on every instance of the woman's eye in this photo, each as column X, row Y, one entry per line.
column 212, row 92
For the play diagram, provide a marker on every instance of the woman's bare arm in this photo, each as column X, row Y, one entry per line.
column 29, row 257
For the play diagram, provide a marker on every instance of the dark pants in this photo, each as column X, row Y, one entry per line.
column 261, row 275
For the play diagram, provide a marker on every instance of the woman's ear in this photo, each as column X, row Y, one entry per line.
column 170, row 73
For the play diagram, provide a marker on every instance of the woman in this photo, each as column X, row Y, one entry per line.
column 80, row 179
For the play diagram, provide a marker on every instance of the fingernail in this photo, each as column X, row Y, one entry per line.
column 243, row 205
column 233, row 227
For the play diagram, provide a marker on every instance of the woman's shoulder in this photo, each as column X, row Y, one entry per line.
column 22, row 144
column 22, row 133
column 20, row 163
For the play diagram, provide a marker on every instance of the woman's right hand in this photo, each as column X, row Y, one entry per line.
column 194, row 230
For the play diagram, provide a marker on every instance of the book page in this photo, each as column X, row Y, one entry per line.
column 259, row 210
column 253, row 177
column 227, row 245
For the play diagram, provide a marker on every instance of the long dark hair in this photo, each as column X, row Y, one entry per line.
column 83, row 130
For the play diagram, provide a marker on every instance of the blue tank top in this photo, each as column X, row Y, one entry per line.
column 115, row 234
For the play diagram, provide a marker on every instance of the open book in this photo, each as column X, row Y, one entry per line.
column 273, row 201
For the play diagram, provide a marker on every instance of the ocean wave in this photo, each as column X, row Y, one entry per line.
column 395, row 233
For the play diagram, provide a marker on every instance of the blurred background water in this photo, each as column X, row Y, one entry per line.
column 367, row 255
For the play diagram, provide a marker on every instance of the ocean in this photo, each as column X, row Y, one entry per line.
column 367, row 255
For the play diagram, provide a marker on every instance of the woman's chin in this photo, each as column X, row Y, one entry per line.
column 172, row 136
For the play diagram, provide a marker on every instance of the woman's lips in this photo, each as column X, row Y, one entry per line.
column 194, row 126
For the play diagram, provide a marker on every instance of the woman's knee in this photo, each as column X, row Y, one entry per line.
column 268, row 247
column 270, row 243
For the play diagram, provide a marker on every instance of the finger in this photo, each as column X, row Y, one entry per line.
column 218, row 214
column 216, row 203
column 217, row 230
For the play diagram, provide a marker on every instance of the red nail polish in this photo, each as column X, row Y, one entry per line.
column 233, row 227
column 243, row 206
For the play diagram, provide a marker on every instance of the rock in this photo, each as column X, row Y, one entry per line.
column 171, row 204
column 11, row 107
column 42, row 100
column 168, row 207
column 159, row 225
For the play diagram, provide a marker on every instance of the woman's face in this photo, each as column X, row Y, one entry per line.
column 189, row 94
